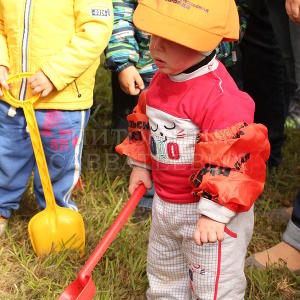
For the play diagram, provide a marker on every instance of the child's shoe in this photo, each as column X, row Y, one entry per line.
column 3, row 224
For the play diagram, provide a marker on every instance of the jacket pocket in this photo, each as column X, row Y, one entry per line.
column 77, row 89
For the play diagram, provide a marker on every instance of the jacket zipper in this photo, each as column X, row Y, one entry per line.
column 23, row 88
column 78, row 94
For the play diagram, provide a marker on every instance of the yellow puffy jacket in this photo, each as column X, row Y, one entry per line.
column 63, row 38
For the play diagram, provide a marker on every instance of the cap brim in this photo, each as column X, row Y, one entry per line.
column 149, row 20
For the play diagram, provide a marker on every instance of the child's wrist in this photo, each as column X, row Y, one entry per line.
column 138, row 168
column 210, row 219
column 214, row 211
column 133, row 163
column 123, row 67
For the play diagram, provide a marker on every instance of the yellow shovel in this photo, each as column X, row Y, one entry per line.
column 55, row 228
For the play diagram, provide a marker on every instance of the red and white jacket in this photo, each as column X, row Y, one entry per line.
column 196, row 132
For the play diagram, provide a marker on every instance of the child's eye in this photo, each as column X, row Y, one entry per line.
column 154, row 129
column 170, row 128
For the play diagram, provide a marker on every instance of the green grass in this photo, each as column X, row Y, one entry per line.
column 121, row 272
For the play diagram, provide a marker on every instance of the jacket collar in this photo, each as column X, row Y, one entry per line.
column 207, row 65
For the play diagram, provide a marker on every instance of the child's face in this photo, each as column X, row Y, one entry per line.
column 172, row 58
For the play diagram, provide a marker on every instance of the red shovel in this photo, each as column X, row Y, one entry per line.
column 83, row 287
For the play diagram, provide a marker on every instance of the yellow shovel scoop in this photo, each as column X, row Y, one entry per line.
column 55, row 228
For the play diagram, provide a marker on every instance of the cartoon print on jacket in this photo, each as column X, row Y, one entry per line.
column 172, row 138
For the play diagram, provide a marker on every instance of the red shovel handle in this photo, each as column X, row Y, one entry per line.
column 93, row 260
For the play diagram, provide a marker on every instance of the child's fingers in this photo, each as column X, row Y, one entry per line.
column 132, row 187
column 128, row 87
column 133, row 90
column 148, row 183
column 38, row 89
column 5, row 75
column 204, row 237
column 220, row 235
column 197, row 237
column 292, row 9
column 34, row 84
column 4, row 84
column 45, row 93
column 139, row 81
column 295, row 10
column 33, row 79
column 288, row 7
column 212, row 237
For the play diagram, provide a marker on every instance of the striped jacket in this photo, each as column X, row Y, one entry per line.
column 227, row 51
column 128, row 45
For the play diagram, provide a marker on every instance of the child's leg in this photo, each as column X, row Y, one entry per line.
column 62, row 135
column 217, row 269
column 16, row 159
column 166, row 266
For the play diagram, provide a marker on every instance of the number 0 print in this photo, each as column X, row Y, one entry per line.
column 173, row 151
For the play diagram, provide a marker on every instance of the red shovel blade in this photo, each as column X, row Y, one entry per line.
column 78, row 291
column 83, row 288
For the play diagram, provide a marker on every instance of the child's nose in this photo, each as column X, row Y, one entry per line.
column 157, row 42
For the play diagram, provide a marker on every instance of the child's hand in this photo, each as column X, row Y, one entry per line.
column 139, row 175
column 40, row 83
column 208, row 231
column 3, row 78
column 293, row 10
column 131, row 81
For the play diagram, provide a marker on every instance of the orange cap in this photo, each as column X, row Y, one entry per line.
column 197, row 24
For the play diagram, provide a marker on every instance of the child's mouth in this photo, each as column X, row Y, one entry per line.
column 159, row 63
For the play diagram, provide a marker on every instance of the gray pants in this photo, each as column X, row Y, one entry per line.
column 292, row 232
column 292, row 235
column 177, row 268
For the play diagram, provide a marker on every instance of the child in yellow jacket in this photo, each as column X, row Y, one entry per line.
column 60, row 42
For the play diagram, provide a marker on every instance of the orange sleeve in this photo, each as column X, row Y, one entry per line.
column 136, row 145
column 231, row 165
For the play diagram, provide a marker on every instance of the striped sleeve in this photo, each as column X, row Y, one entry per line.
column 227, row 50
column 123, row 49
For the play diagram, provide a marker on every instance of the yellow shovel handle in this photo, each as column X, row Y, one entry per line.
column 39, row 154
column 10, row 99
column 36, row 141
